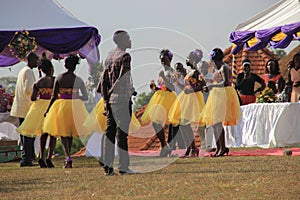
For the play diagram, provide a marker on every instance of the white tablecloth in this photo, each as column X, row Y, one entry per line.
column 8, row 125
column 5, row 117
column 266, row 125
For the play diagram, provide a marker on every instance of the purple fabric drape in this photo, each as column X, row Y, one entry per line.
column 63, row 40
column 57, row 41
column 240, row 38
column 5, row 37
column 8, row 61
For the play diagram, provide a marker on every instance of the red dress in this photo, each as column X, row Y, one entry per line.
column 268, row 78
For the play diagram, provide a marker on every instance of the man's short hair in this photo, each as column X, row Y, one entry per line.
column 118, row 36
column 32, row 56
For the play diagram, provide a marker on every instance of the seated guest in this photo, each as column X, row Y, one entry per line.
column 294, row 77
column 245, row 83
column 273, row 74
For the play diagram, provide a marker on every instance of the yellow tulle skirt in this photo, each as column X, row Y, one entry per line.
column 96, row 121
column 158, row 107
column 33, row 122
column 65, row 118
column 222, row 106
column 186, row 109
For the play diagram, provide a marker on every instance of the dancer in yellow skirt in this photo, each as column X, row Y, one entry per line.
column 187, row 108
column 193, row 59
column 66, row 112
column 222, row 106
column 33, row 123
column 159, row 105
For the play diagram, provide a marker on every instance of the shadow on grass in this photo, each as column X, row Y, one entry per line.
column 20, row 185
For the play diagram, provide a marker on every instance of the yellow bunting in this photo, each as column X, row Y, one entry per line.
column 278, row 37
column 252, row 42
column 234, row 70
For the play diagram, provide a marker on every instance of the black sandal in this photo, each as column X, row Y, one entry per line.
column 49, row 163
column 42, row 163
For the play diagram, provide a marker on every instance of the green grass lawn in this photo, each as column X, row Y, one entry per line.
column 229, row 177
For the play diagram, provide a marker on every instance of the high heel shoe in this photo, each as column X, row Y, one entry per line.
column 195, row 152
column 226, row 151
column 215, row 154
column 68, row 163
column 49, row 163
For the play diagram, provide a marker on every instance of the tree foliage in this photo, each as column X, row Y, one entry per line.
column 141, row 99
column 279, row 52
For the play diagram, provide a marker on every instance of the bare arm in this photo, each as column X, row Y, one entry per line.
column 226, row 75
column 262, row 83
column 99, row 86
column 181, row 86
column 54, row 95
column 104, row 85
column 84, row 94
column 34, row 92
column 166, row 80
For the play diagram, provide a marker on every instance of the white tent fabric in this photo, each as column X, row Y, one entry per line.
column 46, row 12
column 56, row 31
column 282, row 13
column 93, row 147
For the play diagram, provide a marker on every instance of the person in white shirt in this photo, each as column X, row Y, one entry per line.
column 22, row 103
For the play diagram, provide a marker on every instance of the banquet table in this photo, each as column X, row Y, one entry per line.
column 266, row 125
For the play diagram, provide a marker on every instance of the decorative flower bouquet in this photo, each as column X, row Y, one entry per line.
column 267, row 96
column 21, row 44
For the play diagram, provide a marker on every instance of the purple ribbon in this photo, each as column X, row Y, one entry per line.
column 69, row 96
column 45, row 96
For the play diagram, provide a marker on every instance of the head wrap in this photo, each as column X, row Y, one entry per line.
column 166, row 52
column 217, row 54
column 196, row 55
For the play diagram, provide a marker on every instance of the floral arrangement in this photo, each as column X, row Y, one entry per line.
column 6, row 100
column 22, row 44
column 267, row 96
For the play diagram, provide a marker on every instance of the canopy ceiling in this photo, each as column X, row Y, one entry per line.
column 52, row 27
column 276, row 26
